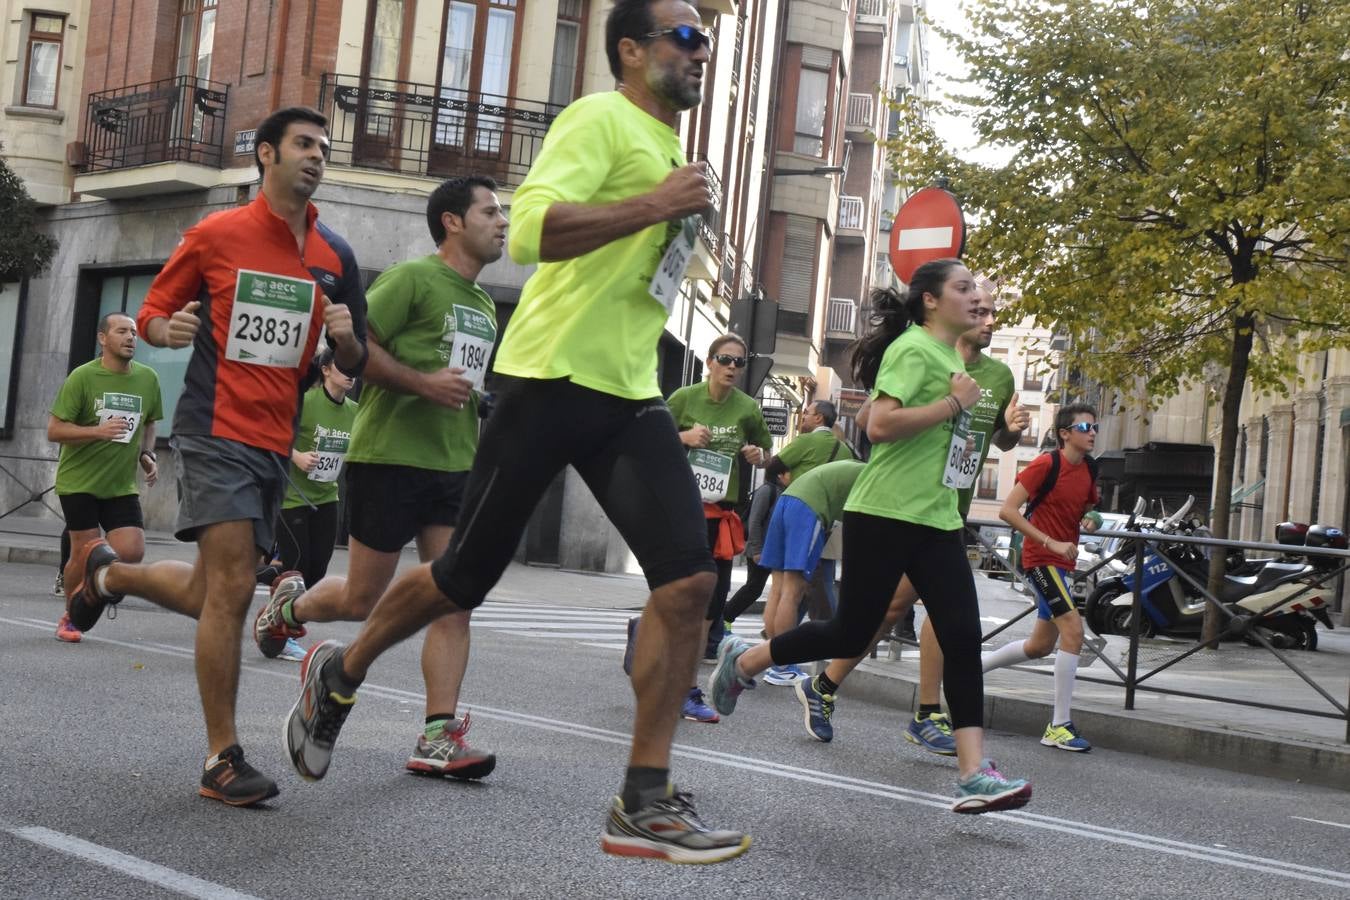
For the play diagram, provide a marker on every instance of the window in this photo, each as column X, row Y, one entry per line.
column 987, row 487
column 196, row 37
column 42, row 69
column 124, row 292
column 812, row 97
column 1034, row 377
column 1031, row 434
column 797, row 275
column 384, row 44
column 476, row 70
column 11, row 318
column 567, row 49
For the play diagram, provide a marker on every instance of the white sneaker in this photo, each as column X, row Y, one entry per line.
column 783, row 675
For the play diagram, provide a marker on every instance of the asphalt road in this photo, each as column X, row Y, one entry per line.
column 101, row 748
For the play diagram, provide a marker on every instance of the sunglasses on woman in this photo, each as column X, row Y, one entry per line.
column 1084, row 427
column 687, row 37
column 727, row 359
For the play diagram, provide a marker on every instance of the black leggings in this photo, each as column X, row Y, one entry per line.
column 877, row 553
column 756, row 576
column 305, row 539
column 719, row 597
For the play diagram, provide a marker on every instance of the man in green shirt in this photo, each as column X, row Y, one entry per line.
column 997, row 419
column 104, row 419
column 607, row 212
column 817, row 443
column 432, row 329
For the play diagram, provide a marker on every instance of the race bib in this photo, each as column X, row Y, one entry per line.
column 963, row 455
column 121, row 406
column 712, row 472
column 472, row 345
column 270, row 320
column 331, row 451
column 665, row 286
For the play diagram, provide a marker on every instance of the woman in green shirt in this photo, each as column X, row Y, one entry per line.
column 901, row 519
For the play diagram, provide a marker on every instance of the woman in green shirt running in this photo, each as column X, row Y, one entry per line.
column 901, row 519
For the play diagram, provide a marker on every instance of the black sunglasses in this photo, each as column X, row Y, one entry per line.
column 727, row 359
column 686, row 37
column 1084, row 427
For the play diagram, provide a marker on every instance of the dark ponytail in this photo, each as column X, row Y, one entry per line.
column 893, row 313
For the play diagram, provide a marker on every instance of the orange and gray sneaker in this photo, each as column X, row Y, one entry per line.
column 228, row 778
column 66, row 631
column 270, row 629
column 449, row 753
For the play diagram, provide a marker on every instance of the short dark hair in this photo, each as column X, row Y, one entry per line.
column 1067, row 413
column 628, row 19
column 827, row 411
column 106, row 321
column 273, row 128
column 453, row 195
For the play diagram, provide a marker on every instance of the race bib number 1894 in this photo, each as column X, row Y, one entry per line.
column 472, row 346
column 269, row 322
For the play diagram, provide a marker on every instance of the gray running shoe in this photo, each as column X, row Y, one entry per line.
column 724, row 685
column 317, row 717
column 668, row 829
column 450, row 754
column 270, row 630
column 59, row 589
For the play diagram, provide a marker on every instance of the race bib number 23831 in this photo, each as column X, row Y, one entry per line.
column 269, row 322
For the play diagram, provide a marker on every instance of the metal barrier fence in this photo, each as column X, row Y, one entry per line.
column 34, row 495
column 1136, row 542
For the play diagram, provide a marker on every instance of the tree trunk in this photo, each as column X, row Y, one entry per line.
column 1223, row 478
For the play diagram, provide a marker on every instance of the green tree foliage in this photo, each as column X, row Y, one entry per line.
column 24, row 251
column 1178, row 196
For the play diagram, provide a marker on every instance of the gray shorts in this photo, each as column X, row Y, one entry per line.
column 220, row 480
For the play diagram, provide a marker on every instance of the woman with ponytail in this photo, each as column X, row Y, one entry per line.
column 901, row 519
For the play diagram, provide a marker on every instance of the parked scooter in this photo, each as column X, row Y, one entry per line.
column 1269, row 596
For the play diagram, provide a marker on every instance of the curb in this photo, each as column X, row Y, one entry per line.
column 1235, row 751
column 31, row 556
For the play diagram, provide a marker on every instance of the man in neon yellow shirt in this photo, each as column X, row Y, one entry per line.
column 607, row 212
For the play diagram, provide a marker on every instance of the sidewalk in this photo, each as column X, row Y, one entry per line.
column 1222, row 735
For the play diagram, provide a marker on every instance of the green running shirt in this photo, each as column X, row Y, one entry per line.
column 325, row 426
column 734, row 422
column 90, row 395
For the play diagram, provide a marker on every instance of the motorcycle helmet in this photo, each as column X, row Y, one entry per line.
column 1293, row 533
column 1326, row 536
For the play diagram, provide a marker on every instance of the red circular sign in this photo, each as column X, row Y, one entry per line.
column 929, row 226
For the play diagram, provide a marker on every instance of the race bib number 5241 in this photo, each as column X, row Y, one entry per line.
column 269, row 322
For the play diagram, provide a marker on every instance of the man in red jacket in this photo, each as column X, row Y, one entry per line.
column 249, row 289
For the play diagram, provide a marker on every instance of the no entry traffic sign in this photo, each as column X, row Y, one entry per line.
column 929, row 226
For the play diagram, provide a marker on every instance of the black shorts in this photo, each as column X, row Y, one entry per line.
column 85, row 512
column 627, row 451
column 388, row 506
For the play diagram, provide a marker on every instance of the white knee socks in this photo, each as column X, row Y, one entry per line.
column 1007, row 655
column 1066, row 667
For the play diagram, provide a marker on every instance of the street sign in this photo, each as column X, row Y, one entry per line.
column 776, row 417
column 929, row 226
column 243, row 142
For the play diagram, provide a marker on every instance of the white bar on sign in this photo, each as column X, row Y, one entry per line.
column 925, row 238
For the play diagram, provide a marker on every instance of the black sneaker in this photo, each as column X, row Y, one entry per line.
column 84, row 604
column 234, row 782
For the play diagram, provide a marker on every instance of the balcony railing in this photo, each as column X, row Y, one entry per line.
column 842, row 317
column 175, row 120
column 416, row 129
column 850, row 213
column 710, row 223
column 861, row 112
column 872, row 9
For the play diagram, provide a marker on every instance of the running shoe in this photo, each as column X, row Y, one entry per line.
column 668, row 829
column 270, row 630
column 631, row 646
column 933, row 733
column 696, row 709
column 316, row 719
column 59, row 589
column 724, row 685
column 1065, row 737
column 292, row 651
column 233, row 781
column 66, row 631
column 450, row 754
column 784, row 676
column 819, row 707
column 85, row 604
column 988, row 790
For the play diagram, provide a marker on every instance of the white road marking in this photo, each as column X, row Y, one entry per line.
column 1322, row 822
column 133, row 866
column 924, row 238
column 1073, row 828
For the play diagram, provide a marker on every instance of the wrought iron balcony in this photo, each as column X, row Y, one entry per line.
column 710, row 223
column 418, row 129
column 175, row 120
column 873, row 11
